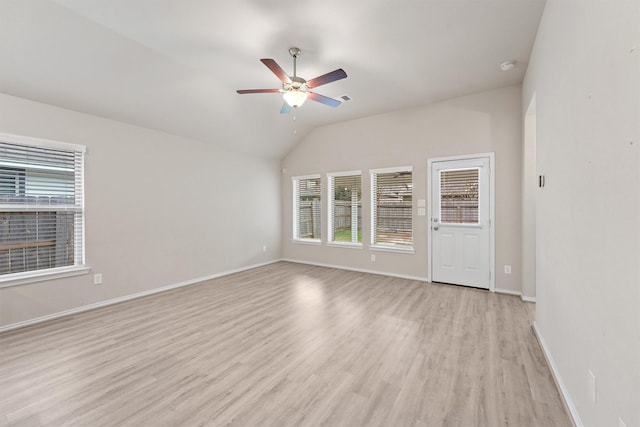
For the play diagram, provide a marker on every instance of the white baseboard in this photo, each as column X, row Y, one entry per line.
column 401, row 276
column 129, row 297
column 516, row 293
column 214, row 276
column 359, row 270
column 507, row 292
column 562, row 388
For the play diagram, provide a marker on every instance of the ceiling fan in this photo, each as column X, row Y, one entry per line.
column 296, row 89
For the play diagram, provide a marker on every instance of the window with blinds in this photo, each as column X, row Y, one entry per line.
column 306, row 208
column 41, row 207
column 345, row 207
column 459, row 196
column 391, row 207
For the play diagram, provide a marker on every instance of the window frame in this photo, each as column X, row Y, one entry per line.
column 391, row 247
column 331, row 206
column 79, row 267
column 296, row 211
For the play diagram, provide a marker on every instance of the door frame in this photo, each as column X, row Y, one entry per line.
column 492, row 212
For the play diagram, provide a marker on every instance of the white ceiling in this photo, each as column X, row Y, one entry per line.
column 174, row 65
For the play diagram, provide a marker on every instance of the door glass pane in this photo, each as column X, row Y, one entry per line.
column 459, row 196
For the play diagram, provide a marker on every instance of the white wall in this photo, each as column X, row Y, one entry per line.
column 585, row 73
column 484, row 122
column 529, row 191
column 160, row 209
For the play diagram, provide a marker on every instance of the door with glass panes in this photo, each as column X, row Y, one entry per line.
column 460, row 222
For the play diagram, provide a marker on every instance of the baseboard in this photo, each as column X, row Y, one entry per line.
column 516, row 293
column 76, row 310
column 129, row 297
column 359, row 270
column 507, row 292
column 562, row 388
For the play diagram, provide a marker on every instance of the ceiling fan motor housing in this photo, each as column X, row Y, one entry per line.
column 297, row 83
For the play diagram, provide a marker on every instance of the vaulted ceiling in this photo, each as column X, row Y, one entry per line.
column 174, row 65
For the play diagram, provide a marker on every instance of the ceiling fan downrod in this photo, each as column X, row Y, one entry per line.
column 294, row 51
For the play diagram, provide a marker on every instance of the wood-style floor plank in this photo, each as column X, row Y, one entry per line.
column 285, row 345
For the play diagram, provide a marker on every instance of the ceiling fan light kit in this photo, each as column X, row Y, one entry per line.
column 296, row 89
column 295, row 98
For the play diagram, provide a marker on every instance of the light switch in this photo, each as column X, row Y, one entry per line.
column 422, row 211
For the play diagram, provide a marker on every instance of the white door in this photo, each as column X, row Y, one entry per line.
column 460, row 222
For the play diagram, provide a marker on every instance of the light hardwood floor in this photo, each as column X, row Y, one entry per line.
column 285, row 345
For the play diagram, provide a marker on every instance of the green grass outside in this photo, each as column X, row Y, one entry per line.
column 345, row 236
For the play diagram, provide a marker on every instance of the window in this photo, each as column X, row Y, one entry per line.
column 41, row 206
column 345, row 206
column 459, row 196
column 391, row 207
column 306, row 208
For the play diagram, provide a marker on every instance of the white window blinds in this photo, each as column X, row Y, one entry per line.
column 306, row 209
column 41, row 208
column 391, row 210
column 345, row 207
column 459, row 196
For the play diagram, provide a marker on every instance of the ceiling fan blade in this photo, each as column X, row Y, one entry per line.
column 324, row 100
column 276, row 69
column 286, row 108
column 243, row 91
column 327, row 78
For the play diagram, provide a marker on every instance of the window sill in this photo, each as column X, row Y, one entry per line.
column 347, row 245
column 399, row 249
column 16, row 279
column 312, row 242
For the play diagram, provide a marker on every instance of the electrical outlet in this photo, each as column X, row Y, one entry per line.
column 507, row 269
column 373, row 257
column 97, row 278
column 264, row 248
column 592, row 386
